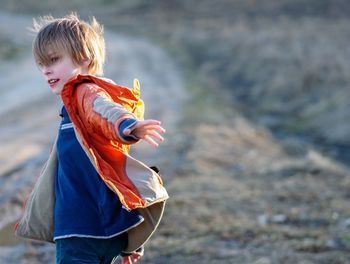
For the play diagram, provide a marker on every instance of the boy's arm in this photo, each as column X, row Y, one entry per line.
column 112, row 120
column 102, row 115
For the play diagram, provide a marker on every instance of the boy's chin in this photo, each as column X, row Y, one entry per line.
column 56, row 91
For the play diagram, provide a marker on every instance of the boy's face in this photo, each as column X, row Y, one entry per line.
column 60, row 69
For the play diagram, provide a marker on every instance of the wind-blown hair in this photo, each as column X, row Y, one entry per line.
column 79, row 39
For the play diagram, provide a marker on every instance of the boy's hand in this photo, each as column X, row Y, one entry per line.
column 147, row 130
column 133, row 258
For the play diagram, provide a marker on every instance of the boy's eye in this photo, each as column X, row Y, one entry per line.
column 54, row 59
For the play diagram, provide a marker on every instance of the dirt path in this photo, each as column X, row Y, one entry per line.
column 28, row 114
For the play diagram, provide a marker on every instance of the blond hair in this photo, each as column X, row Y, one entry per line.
column 79, row 39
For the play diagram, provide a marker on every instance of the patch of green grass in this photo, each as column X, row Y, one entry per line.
column 346, row 240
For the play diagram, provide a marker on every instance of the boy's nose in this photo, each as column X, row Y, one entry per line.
column 46, row 70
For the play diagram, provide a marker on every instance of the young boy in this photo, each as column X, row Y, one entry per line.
column 92, row 199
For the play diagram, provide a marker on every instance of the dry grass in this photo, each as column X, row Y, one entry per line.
column 230, row 210
column 238, row 195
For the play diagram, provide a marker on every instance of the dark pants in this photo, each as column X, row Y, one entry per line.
column 89, row 250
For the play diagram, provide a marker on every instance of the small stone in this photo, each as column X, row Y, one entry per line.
column 335, row 215
column 262, row 260
column 263, row 219
column 280, row 218
column 346, row 223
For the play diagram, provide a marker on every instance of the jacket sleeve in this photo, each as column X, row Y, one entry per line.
column 101, row 114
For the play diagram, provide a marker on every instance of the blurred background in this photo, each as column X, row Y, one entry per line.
column 255, row 99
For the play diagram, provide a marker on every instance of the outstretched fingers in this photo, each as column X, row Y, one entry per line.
column 148, row 130
column 151, row 136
